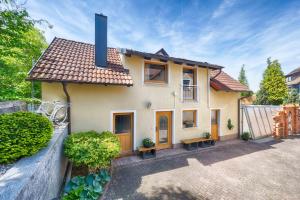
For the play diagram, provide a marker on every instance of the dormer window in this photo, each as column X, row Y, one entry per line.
column 155, row 73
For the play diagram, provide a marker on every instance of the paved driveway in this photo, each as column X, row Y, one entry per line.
column 237, row 171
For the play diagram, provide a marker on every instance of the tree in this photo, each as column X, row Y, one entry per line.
column 261, row 97
column 293, row 97
column 273, row 89
column 21, row 43
column 243, row 80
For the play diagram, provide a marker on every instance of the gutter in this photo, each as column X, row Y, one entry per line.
column 220, row 70
column 77, row 82
column 64, row 84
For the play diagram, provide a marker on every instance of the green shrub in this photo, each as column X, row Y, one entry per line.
column 206, row 135
column 245, row 136
column 88, row 187
column 147, row 142
column 22, row 134
column 229, row 124
column 92, row 149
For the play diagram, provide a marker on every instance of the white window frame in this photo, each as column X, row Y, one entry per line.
column 197, row 117
column 153, row 83
column 197, row 100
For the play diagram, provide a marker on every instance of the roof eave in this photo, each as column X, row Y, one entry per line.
column 130, row 52
column 76, row 82
column 227, row 89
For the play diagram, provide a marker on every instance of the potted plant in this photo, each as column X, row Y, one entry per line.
column 229, row 124
column 147, row 143
column 206, row 135
column 245, row 136
column 188, row 124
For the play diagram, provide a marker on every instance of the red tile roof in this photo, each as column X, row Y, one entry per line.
column 221, row 81
column 70, row 61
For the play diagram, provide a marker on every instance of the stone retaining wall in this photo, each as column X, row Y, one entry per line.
column 38, row 177
column 12, row 106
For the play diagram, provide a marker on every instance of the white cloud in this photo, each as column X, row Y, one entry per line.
column 223, row 8
column 227, row 35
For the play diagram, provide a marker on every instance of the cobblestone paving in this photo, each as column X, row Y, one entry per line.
column 237, row 171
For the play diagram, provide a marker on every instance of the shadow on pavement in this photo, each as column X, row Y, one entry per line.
column 127, row 180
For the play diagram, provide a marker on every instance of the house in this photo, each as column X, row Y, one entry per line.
column 136, row 94
column 293, row 79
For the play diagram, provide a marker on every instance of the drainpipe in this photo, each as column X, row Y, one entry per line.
column 239, row 116
column 208, row 84
column 67, row 175
column 64, row 84
column 208, row 87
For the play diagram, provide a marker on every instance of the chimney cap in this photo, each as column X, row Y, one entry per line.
column 101, row 14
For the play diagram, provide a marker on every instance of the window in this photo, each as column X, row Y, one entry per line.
column 155, row 73
column 189, row 84
column 122, row 123
column 189, row 118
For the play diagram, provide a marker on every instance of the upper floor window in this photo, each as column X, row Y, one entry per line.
column 189, row 84
column 156, row 73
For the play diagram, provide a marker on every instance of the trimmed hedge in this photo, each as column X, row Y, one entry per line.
column 92, row 149
column 22, row 134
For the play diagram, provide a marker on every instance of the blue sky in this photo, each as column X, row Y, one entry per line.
column 225, row 32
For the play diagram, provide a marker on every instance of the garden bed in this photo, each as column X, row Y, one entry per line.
column 90, row 171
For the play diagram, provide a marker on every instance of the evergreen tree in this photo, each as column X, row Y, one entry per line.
column 293, row 97
column 273, row 89
column 243, row 79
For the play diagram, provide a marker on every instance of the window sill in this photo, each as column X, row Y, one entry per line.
column 190, row 101
column 190, row 128
column 159, row 84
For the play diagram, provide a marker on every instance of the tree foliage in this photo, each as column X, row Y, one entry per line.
column 293, row 97
column 273, row 89
column 243, row 79
column 21, row 43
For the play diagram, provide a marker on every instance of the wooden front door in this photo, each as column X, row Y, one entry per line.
column 123, row 128
column 215, row 124
column 164, row 129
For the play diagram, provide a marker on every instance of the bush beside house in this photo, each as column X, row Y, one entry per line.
column 23, row 134
column 95, row 151
column 92, row 149
column 245, row 136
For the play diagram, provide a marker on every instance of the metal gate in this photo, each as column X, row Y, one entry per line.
column 258, row 120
